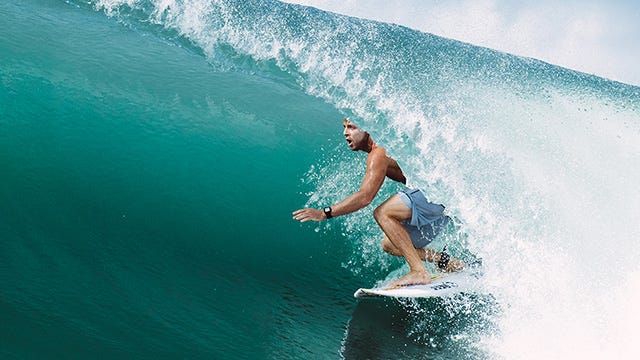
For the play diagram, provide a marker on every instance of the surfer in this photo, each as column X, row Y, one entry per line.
column 408, row 220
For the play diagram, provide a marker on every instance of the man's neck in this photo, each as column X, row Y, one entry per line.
column 370, row 145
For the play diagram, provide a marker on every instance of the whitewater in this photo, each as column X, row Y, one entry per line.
column 227, row 116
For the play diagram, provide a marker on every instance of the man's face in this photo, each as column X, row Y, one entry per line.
column 356, row 138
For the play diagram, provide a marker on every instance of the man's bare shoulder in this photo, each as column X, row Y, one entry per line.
column 377, row 157
column 378, row 151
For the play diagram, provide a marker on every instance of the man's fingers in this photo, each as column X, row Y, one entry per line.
column 303, row 215
column 300, row 212
column 300, row 215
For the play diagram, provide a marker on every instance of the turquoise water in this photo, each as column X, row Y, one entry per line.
column 152, row 153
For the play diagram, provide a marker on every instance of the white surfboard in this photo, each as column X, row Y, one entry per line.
column 442, row 285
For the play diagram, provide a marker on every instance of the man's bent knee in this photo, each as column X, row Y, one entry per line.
column 378, row 213
column 393, row 208
column 387, row 246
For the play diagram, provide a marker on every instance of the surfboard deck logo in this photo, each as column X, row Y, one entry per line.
column 442, row 285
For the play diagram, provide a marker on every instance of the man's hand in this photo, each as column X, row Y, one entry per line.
column 309, row 214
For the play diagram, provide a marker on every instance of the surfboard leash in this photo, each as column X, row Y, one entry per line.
column 444, row 259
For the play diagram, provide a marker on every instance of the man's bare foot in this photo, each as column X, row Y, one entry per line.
column 453, row 265
column 412, row 278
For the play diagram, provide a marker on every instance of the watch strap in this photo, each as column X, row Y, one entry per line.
column 327, row 212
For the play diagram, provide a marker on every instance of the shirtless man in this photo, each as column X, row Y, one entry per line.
column 408, row 220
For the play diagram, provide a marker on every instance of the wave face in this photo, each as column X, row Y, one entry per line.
column 154, row 150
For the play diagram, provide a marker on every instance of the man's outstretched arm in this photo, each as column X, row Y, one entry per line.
column 374, row 177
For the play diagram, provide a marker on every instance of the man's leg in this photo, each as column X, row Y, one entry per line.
column 426, row 254
column 390, row 249
column 388, row 215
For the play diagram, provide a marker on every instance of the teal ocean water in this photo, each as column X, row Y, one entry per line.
column 152, row 152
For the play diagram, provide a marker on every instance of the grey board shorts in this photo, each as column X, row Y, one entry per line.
column 427, row 219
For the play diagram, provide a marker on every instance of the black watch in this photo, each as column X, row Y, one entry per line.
column 327, row 212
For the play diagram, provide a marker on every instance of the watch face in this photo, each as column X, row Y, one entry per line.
column 327, row 210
